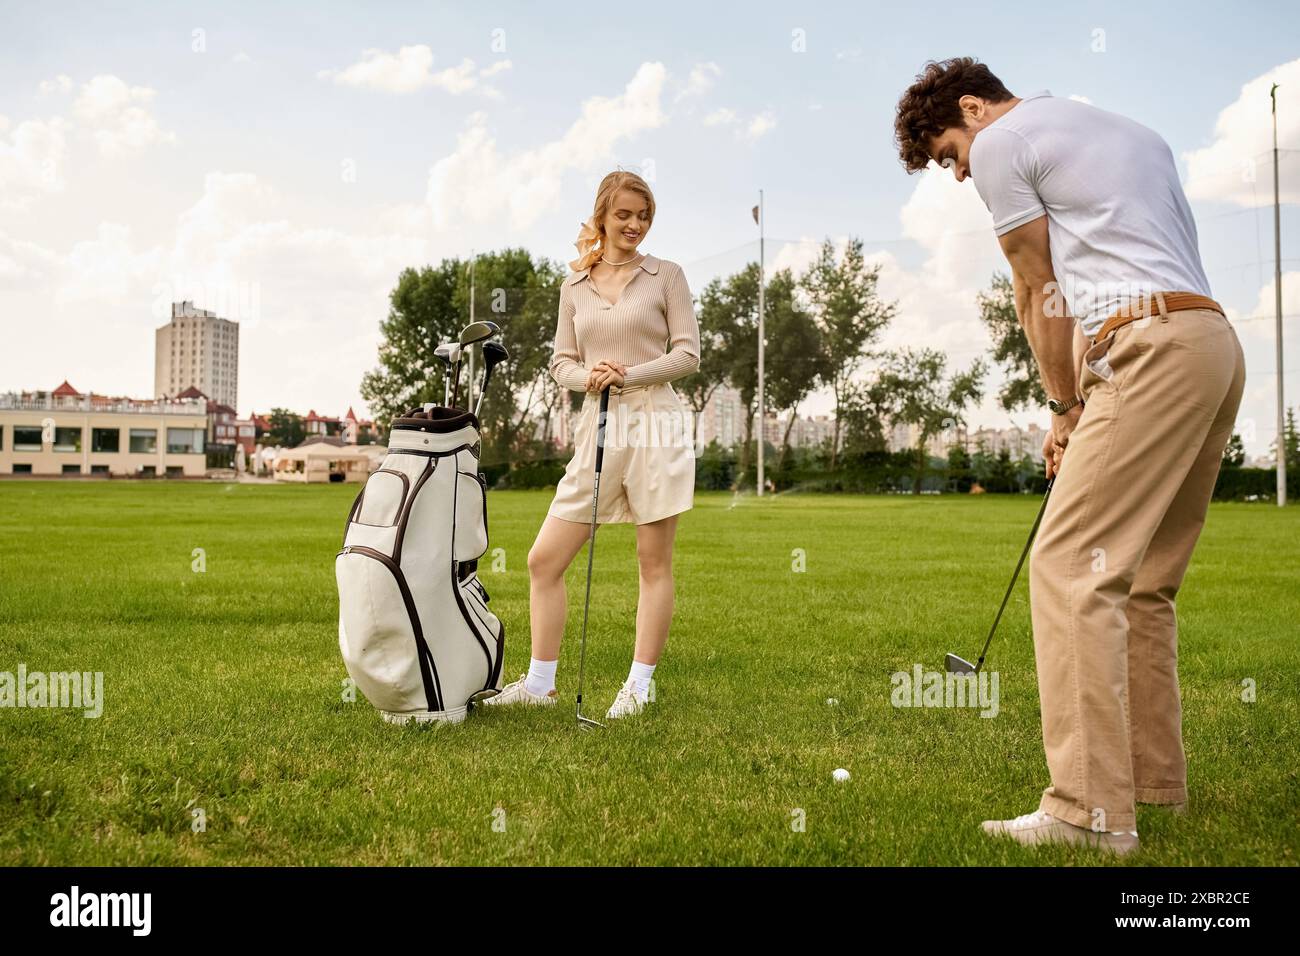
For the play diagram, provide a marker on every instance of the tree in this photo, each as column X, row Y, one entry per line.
column 1005, row 477
column 1010, row 346
column 522, row 296
column 422, row 313
column 918, row 391
column 843, row 299
column 1234, row 455
column 864, row 411
column 960, row 475
column 734, row 304
column 287, row 429
column 718, row 314
column 1291, row 442
column 792, row 336
column 432, row 304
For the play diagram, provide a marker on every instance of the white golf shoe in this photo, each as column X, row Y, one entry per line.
column 627, row 703
column 517, row 693
column 1040, row 826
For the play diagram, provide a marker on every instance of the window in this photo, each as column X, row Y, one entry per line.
column 27, row 438
column 99, row 469
column 22, row 469
column 175, row 471
column 67, row 439
column 184, row 441
column 71, row 469
column 148, row 471
column 144, row 440
column 105, row 439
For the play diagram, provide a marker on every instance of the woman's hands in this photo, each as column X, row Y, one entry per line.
column 604, row 374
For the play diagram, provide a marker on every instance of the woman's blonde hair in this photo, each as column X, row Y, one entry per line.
column 591, row 237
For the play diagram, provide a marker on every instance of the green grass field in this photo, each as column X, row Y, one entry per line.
column 223, row 692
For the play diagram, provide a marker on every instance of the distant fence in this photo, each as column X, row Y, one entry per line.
column 883, row 474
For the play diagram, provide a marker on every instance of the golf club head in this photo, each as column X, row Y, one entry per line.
column 494, row 353
column 586, row 723
column 483, row 695
column 477, row 332
column 958, row 665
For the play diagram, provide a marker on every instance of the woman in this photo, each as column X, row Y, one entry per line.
column 618, row 309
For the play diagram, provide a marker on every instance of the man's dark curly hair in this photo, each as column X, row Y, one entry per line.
column 930, row 104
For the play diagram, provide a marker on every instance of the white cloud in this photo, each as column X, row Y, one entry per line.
column 60, row 84
column 409, row 70
column 1238, row 166
column 106, row 268
column 701, row 80
column 232, row 250
column 24, row 263
column 118, row 116
column 241, row 57
column 31, row 160
column 478, row 184
column 760, row 126
column 1261, row 319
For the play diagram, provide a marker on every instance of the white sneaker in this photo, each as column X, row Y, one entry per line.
column 517, row 693
column 1040, row 826
column 626, row 703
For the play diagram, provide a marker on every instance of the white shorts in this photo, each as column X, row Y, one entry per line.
column 648, row 472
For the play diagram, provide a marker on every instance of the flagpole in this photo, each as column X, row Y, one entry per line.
column 762, row 414
column 1277, row 291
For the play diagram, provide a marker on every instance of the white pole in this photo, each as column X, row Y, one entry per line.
column 1277, row 291
column 469, row 385
column 762, row 414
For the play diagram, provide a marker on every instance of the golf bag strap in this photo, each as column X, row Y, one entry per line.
column 1159, row 303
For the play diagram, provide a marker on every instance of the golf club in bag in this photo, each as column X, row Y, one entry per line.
column 585, row 722
column 471, row 335
column 415, row 630
column 959, row 665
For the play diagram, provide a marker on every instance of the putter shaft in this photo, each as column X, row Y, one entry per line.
column 591, row 552
column 1033, row 532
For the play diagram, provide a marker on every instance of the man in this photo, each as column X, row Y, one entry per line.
column 1092, row 218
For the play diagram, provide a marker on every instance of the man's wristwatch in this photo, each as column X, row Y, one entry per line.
column 1060, row 408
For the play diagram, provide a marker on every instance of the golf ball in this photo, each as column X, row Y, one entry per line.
column 840, row 775
column 832, row 702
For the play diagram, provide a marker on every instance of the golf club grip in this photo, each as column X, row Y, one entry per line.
column 600, row 430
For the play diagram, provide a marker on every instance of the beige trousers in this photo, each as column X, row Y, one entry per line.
column 1128, row 505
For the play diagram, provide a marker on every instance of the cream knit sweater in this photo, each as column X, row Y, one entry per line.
column 655, row 313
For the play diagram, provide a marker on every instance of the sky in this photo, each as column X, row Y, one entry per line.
column 282, row 163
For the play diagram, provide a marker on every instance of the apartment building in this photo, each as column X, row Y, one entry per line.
column 197, row 349
column 66, row 432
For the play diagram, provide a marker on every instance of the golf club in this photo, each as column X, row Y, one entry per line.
column 585, row 722
column 494, row 353
column 959, row 665
column 446, row 352
column 472, row 334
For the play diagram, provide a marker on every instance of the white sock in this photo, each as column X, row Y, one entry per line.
column 641, row 674
column 541, row 677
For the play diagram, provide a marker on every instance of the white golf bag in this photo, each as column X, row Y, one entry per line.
column 414, row 626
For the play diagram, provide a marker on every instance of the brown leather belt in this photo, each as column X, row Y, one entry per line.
column 1156, row 304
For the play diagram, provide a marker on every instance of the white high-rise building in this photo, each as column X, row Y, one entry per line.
column 200, row 349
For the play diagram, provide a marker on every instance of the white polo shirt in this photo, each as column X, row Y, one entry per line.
column 1118, row 222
